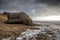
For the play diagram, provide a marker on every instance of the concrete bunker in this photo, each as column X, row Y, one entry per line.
column 18, row 18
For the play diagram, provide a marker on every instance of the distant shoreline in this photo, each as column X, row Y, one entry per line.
column 46, row 22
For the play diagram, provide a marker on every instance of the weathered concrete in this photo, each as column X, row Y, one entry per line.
column 23, row 17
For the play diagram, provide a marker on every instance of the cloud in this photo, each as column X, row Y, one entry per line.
column 32, row 7
column 24, row 4
column 50, row 2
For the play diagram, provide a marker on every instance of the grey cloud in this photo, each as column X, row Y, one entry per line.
column 40, row 6
column 22, row 4
column 50, row 2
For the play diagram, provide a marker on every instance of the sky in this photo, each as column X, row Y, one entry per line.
column 33, row 8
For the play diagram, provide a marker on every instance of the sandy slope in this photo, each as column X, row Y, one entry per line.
column 6, row 30
column 3, row 17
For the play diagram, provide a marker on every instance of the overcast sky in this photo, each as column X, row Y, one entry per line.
column 32, row 7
